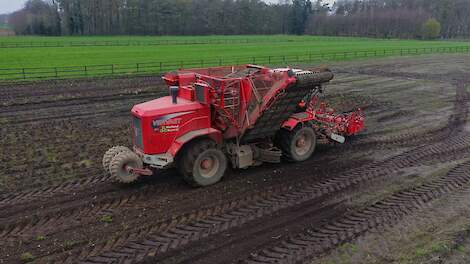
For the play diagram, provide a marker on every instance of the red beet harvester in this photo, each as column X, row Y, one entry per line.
column 240, row 115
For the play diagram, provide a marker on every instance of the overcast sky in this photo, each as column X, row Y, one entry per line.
column 8, row 6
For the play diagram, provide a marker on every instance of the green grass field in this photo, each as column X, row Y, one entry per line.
column 268, row 46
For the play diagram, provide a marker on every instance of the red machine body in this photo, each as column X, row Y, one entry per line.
column 242, row 113
column 162, row 122
column 159, row 125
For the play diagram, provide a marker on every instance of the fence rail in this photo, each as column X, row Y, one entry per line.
column 161, row 42
column 25, row 74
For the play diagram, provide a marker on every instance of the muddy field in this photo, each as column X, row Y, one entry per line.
column 397, row 193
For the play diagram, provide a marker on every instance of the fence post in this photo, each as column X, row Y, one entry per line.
column 138, row 67
column 254, row 60
column 112, row 69
column 24, row 74
column 86, row 70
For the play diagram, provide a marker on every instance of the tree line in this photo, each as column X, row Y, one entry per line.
column 395, row 19
column 371, row 18
column 160, row 17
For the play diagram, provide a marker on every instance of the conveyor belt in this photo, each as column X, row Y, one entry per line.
column 271, row 120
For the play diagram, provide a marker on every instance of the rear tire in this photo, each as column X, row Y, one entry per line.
column 203, row 164
column 110, row 154
column 119, row 163
column 297, row 145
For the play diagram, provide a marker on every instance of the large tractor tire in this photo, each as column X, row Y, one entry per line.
column 297, row 145
column 202, row 163
column 110, row 154
column 119, row 165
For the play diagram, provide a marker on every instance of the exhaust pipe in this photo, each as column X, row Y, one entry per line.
column 174, row 93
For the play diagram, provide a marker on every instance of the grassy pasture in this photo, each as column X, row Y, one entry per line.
column 267, row 46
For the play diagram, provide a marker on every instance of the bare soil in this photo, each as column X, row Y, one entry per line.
column 379, row 198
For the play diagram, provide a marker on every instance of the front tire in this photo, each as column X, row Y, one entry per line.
column 120, row 163
column 299, row 144
column 110, row 154
column 203, row 164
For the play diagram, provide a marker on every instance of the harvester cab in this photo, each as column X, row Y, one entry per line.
column 237, row 115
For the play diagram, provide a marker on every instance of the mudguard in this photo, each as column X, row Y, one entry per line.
column 211, row 133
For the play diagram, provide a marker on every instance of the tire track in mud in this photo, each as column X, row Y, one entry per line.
column 29, row 227
column 11, row 228
column 160, row 238
column 300, row 247
column 60, row 219
column 183, row 234
column 84, row 100
column 129, row 237
column 12, row 198
column 452, row 76
column 110, row 198
column 385, row 213
column 92, row 85
column 394, row 114
column 453, row 126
